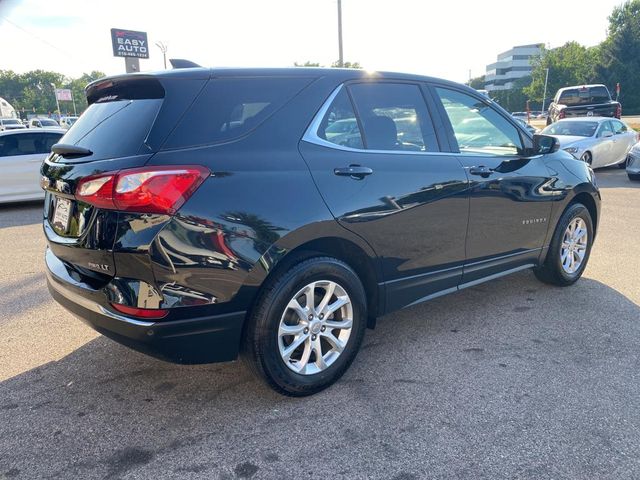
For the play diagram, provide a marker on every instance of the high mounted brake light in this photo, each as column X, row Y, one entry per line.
column 158, row 189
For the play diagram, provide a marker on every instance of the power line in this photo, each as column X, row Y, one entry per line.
column 38, row 38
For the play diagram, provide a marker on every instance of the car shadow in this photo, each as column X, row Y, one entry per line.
column 19, row 214
column 437, row 369
column 614, row 177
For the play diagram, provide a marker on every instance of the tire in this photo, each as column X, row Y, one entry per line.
column 634, row 176
column 263, row 342
column 552, row 270
column 587, row 158
column 623, row 165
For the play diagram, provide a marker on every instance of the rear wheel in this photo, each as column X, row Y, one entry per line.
column 586, row 158
column 307, row 327
column 569, row 249
column 634, row 176
column 624, row 163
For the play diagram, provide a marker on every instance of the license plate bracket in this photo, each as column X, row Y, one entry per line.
column 61, row 214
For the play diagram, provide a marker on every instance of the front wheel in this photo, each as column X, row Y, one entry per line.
column 569, row 249
column 307, row 326
column 587, row 158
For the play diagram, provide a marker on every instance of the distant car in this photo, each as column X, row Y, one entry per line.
column 521, row 115
column 633, row 163
column 67, row 122
column 10, row 124
column 583, row 101
column 43, row 123
column 530, row 128
column 599, row 141
column 21, row 155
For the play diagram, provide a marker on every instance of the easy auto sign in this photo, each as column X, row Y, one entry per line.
column 129, row 43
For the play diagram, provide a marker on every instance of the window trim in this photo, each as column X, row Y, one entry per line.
column 311, row 134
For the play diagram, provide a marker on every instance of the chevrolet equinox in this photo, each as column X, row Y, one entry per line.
column 197, row 214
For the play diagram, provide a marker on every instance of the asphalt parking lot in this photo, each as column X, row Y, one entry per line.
column 510, row 379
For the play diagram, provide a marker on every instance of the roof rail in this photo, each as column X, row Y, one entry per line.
column 182, row 63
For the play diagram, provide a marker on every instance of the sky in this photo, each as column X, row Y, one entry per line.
column 446, row 39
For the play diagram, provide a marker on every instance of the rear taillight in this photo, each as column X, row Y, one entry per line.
column 161, row 189
column 149, row 313
column 619, row 111
column 561, row 114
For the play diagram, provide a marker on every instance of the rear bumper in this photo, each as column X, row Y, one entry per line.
column 201, row 339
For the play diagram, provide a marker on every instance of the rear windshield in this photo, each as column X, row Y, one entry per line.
column 231, row 107
column 114, row 129
column 48, row 123
column 584, row 96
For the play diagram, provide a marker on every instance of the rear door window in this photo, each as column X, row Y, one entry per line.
column 618, row 127
column 339, row 125
column 230, row 107
column 394, row 116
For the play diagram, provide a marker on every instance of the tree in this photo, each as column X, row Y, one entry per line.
column 306, row 64
column 32, row 92
column 477, row 83
column 515, row 98
column 570, row 64
column 619, row 56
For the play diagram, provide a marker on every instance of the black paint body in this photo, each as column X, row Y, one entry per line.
column 420, row 226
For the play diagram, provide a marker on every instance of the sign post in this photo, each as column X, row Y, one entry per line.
column 130, row 45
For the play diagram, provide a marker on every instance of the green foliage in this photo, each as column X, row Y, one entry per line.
column 514, row 99
column 477, row 83
column 32, row 92
column 570, row 64
column 619, row 56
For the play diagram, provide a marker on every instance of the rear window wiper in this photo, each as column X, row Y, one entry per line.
column 70, row 151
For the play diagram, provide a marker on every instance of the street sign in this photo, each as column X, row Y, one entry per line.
column 64, row 94
column 129, row 43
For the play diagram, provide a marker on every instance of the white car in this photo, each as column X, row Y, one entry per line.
column 67, row 122
column 43, row 123
column 21, row 155
column 599, row 141
column 10, row 124
column 633, row 163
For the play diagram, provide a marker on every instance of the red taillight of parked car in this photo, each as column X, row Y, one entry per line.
column 158, row 189
column 147, row 313
column 619, row 111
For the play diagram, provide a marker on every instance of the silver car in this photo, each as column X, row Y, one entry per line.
column 633, row 163
column 599, row 141
column 21, row 155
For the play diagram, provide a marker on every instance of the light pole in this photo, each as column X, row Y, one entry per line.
column 340, row 57
column 163, row 48
column 55, row 93
column 544, row 96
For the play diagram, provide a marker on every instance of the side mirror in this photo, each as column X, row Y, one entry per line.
column 543, row 144
column 607, row 134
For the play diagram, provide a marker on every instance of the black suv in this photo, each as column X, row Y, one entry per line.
column 197, row 214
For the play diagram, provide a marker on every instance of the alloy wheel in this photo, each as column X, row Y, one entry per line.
column 315, row 327
column 574, row 245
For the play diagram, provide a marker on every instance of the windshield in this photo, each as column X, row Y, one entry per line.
column 577, row 129
column 584, row 96
column 48, row 123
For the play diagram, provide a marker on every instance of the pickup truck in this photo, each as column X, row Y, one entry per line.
column 583, row 101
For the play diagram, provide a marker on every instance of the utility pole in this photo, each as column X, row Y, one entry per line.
column 340, row 57
column 75, row 113
column 55, row 93
column 163, row 48
column 544, row 96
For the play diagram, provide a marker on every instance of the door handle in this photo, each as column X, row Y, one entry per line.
column 354, row 171
column 481, row 170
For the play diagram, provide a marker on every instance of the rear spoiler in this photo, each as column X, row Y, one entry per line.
column 129, row 87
